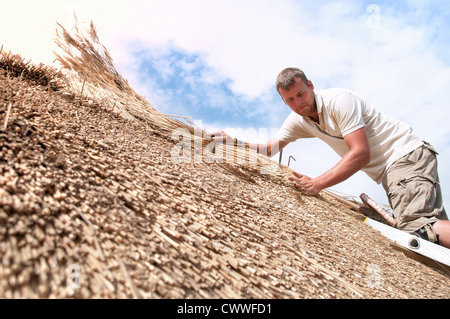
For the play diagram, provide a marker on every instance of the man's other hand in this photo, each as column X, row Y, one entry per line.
column 306, row 184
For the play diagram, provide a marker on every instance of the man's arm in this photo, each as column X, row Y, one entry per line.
column 270, row 148
column 357, row 158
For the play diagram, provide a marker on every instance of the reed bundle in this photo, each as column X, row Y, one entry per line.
column 90, row 68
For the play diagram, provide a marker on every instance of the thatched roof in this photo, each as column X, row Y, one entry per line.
column 91, row 205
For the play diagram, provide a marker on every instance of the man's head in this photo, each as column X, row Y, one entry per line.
column 286, row 79
column 297, row 92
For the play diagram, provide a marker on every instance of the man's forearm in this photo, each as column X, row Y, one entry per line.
column 356, row 159
column 351, row 163
column 270, row 148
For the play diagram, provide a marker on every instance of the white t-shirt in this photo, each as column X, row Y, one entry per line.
column 342, row 112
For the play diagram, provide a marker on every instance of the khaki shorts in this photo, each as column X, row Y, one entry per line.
column 412, row 186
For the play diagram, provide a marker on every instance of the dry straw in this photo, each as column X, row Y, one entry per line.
column 91, row 72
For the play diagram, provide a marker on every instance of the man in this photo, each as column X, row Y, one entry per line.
column 383, row 147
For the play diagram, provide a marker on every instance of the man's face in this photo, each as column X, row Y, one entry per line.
column 301, row 98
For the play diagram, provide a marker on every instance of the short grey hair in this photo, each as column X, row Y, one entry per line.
column 286, row 79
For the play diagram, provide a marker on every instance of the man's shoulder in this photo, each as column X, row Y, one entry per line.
column 338, row 98
column 332, row 93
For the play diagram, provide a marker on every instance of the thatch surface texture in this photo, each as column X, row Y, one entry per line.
column 92, row 206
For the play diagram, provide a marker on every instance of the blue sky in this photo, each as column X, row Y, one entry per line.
column 188, row 87
column 217, row 61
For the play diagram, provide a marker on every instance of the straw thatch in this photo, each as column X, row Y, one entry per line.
column 38, row 74
column 92, row 205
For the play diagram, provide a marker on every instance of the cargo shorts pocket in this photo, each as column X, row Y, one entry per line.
column 430, row 147
column 413, row 198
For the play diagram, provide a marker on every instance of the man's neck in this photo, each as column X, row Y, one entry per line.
column 314, row 119
column 315, row 115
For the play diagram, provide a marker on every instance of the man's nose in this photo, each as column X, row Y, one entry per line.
column 298, row 101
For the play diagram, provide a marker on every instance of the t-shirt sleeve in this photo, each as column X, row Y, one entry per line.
column 293, row 129
column 347, row 111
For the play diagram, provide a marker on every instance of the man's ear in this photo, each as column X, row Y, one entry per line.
column 282, row 98
column 311, row 85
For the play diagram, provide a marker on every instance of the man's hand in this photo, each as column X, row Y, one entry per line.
column 221, row 137
column 270, row 148
column 306, row 184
